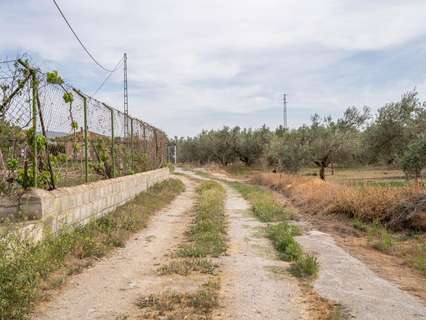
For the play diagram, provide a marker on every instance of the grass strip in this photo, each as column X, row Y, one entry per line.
column 26, row 269
column 263, row 205
column 207, row 235
column 281, row 234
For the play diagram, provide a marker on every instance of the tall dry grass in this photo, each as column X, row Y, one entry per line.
column 395, row 207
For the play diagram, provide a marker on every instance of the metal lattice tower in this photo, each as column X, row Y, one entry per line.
column 126, row 99
column 285, row 111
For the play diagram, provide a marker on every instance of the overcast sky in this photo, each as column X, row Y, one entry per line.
column 197, row 64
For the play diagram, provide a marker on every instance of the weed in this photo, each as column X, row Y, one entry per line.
column 359, row 225
column 417, row 258
column 282, row 237
column 305, row 266
column 379, row 238
column 339, row 313
column 185, row 266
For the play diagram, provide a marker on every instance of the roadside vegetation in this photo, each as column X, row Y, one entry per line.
column 390, row 206
column 28, row 271
column 383, row 215
column 206, row 240
column 279, row 230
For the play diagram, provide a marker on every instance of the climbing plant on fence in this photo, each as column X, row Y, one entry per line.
column 52, row 134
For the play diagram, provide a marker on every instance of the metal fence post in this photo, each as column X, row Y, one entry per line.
column 131, row 146
column 85, row 133
column 112, row 143
column 34, row 123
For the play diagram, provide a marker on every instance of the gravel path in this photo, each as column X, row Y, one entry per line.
column 112, row 286
column 254, row 283
column 350, row 282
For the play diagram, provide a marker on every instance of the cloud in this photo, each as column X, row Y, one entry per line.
column 201, row 64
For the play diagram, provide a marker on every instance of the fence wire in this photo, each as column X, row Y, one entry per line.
column 52, row 135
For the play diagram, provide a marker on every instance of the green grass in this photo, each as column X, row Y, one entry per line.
column 263, row 205
column 282, row 237
column 379, row 237
column 418, row 260
column 207, row 235
column 305, row 266
column 25, row 269
column 266, row 209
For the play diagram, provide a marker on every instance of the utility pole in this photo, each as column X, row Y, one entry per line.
column 285, row 125
column 126, row 99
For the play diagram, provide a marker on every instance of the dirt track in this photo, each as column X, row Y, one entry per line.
column 255, row 283
column 111, row 287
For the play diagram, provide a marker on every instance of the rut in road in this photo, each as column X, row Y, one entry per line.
column 251, row 286
column 111, row 287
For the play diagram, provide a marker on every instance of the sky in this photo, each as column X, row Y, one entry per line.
column 202, row 64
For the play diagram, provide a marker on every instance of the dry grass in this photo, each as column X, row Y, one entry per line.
column 184, row 267
column 388, row 205
column 177, row 306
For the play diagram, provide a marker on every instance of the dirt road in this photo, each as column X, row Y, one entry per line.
column 255, row 284
column 109, row 289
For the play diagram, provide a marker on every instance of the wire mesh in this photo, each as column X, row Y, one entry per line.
column 74, row 138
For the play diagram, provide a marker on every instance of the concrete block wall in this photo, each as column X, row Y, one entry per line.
column 80, row 204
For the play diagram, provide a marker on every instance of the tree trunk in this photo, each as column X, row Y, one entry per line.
column 322, row 171
column 2, row 164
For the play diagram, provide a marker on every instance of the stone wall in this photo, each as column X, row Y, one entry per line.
column 56, row 209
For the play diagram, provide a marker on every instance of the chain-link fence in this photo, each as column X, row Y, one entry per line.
column 53, row 135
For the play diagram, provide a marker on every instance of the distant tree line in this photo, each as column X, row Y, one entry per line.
column 395, row 135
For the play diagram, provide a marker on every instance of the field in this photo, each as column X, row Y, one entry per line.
column 364, row 176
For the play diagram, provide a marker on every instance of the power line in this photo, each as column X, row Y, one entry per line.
column 78, row 39
column 108, row 76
